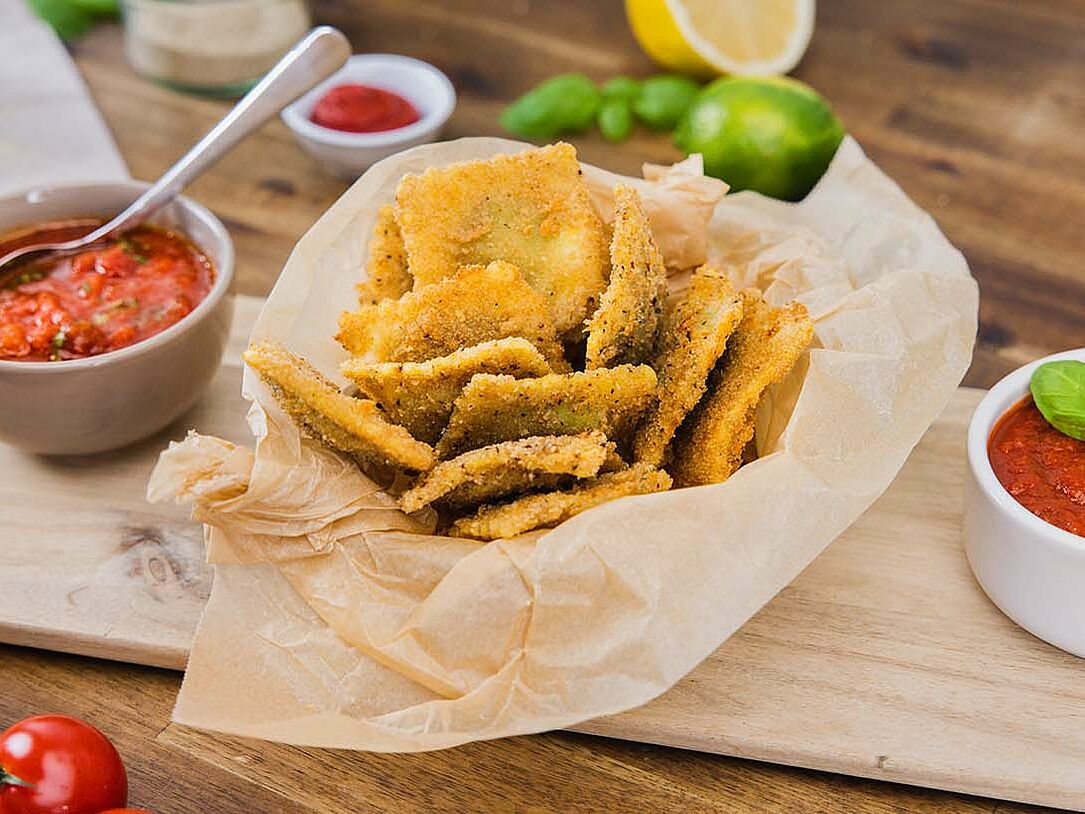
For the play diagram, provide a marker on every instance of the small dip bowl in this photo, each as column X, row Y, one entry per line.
column 1032, row 570
column 348, row 155
column 103, row 402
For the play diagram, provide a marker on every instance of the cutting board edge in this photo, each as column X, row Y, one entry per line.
column 956, row 782
column 95, row 646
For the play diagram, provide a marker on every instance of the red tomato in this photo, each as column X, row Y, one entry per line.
column 53, row 764
column 127, row 811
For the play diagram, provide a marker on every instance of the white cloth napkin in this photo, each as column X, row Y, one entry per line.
column 50, row 130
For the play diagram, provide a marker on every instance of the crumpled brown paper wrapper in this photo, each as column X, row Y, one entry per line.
column 337, row 621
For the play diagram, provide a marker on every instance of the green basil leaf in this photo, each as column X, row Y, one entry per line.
column 1058, row 388
column 625, row 88
column 67, row 20
column 615, row 120
column 663, row 100
column 97, row 7
column 561, row 104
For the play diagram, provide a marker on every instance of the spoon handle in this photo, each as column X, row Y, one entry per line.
column 316, row 57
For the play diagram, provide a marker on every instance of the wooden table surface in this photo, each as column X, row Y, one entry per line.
column 975, row 106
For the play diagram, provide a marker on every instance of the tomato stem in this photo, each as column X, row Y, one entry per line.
column 8, row 779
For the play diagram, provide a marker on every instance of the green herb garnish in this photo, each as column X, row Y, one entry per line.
column 59, row 338
column 101, row 317
column 663, row 100
column 615, row 120
column 1058, row 388
column 133, row 249
column 562, row 104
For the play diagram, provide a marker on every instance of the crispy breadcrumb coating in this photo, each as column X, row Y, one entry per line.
column 509, row 468
column 530, row 209
column 419, row 395
column 477, row 304
column 548, row 509
column 352, row 426
column 500, row 408
column 692, row 339
column 387, row 277
column 765, row 346
column 624, row 329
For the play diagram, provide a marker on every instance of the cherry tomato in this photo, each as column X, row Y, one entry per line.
column 127, row 811
column 53, row 764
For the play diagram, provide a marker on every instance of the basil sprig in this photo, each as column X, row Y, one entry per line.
column 571, row 102
column 561, row 104
column 1058, row 388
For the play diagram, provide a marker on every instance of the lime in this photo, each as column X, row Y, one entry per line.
column 774, row 135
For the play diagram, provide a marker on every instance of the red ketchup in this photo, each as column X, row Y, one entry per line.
column 363, row 109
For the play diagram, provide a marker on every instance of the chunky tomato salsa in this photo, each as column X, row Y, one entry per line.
column 99, row 300
column 1041, row 467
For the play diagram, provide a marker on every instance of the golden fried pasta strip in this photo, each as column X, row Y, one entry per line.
column 623, row 330
column 387, row 277
column 419, row 395
column 511, row 467
column 691, row 340
column 500, row 408
column 765, row 346
column 548, row 509
column 348, row 425
column 530, row 209
column 477, row 304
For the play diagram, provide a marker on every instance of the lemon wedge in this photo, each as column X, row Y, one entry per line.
column 708, row 37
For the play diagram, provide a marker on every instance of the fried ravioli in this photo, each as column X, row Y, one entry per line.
column 551, row 508
column 623, row 330
column 387, row 277
column 764, row 348
column 530, row 209
column 419, row 395
column 477, row 304
column 511, row 467
column 492, row 409
column 352, row 426
column 691, row 340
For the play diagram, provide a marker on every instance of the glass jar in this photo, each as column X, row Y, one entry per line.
column 211, row 47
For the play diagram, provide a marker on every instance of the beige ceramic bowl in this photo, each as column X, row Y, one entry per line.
column 107, row 401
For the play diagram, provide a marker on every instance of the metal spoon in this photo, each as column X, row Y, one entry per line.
column 316, row 57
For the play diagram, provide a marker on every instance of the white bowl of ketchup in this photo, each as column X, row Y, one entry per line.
column 1032, row 569
column 374, row 106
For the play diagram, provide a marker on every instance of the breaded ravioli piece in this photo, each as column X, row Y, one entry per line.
column 419, row 395
column 691, row 340
column 530, row 209
column 476, row 304
column 623, row 330
column 492, row 409
column 511, row 467
column 387, row 277
column 352, row 426
column 764, row 348
column 548, row 509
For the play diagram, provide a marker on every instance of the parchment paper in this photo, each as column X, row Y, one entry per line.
column 337, row 621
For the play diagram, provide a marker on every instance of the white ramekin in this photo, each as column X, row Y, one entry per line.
column 348, row 155
column 1033, row 571
column 108, row 401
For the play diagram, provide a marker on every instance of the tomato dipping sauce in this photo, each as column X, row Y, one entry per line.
column 99, row 300
column 1043, row 469
column 363, row 109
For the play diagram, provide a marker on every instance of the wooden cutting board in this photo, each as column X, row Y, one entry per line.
column 883, row 659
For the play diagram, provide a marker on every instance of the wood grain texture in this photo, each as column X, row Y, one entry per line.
column 883, row 640
column 975, row 106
